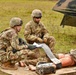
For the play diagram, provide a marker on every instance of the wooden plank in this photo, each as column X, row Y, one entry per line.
column 19, row 71
column 3, row 73
column 24, row 71
column 66, row 71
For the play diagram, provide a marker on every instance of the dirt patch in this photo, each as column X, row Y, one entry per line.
column 2, row 73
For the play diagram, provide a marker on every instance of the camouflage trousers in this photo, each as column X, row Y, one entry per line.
column 12, row 57
column 28, row 56
column 51, row 42
column 35, row 56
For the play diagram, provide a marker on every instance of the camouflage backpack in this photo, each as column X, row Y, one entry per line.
column 73, row 54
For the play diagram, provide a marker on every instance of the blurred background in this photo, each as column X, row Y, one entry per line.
column 65, row 37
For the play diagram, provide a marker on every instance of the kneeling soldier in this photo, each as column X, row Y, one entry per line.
column 12, row 48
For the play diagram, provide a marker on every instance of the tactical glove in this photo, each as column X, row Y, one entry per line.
column 31, row 47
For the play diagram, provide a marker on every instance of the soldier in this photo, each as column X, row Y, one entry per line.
column 36, row 32
column 12, row 48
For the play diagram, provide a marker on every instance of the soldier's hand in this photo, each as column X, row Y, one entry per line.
column 25, row 47
column 45, row 40
column 40, row 40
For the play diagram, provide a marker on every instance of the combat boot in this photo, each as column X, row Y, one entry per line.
column 9, row 66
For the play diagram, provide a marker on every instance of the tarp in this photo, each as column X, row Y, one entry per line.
column 68, row 21
column 66, row 6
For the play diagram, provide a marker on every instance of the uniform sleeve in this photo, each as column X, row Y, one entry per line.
column 28, row 36
column 15, row 43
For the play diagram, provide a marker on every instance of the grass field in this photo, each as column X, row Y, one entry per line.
column 65, row 37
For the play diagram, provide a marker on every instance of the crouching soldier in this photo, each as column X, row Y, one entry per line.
column 12, row 48
column 35, row 30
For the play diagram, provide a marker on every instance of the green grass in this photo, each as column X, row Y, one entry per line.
column 65, row 37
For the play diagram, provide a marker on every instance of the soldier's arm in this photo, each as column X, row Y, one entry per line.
column 31, row 47
column 27, row 34
column 45, row 34
column 33, row 38
column 15, row 43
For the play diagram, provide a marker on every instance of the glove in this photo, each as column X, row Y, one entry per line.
column 14, row 50
column 37, row 45
column 31, row 47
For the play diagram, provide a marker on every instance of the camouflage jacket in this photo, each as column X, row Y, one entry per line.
column 34, row 30
column 9, row 38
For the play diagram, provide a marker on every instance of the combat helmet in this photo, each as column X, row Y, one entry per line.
column 36, row 13
column 15, row 21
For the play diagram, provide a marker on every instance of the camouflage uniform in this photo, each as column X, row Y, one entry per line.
column 8, row 41
column 12, row 48
column 36, row 32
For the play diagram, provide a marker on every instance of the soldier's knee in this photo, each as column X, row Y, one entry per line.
column 52, row 39
column 51, row 45
column 32, row 55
